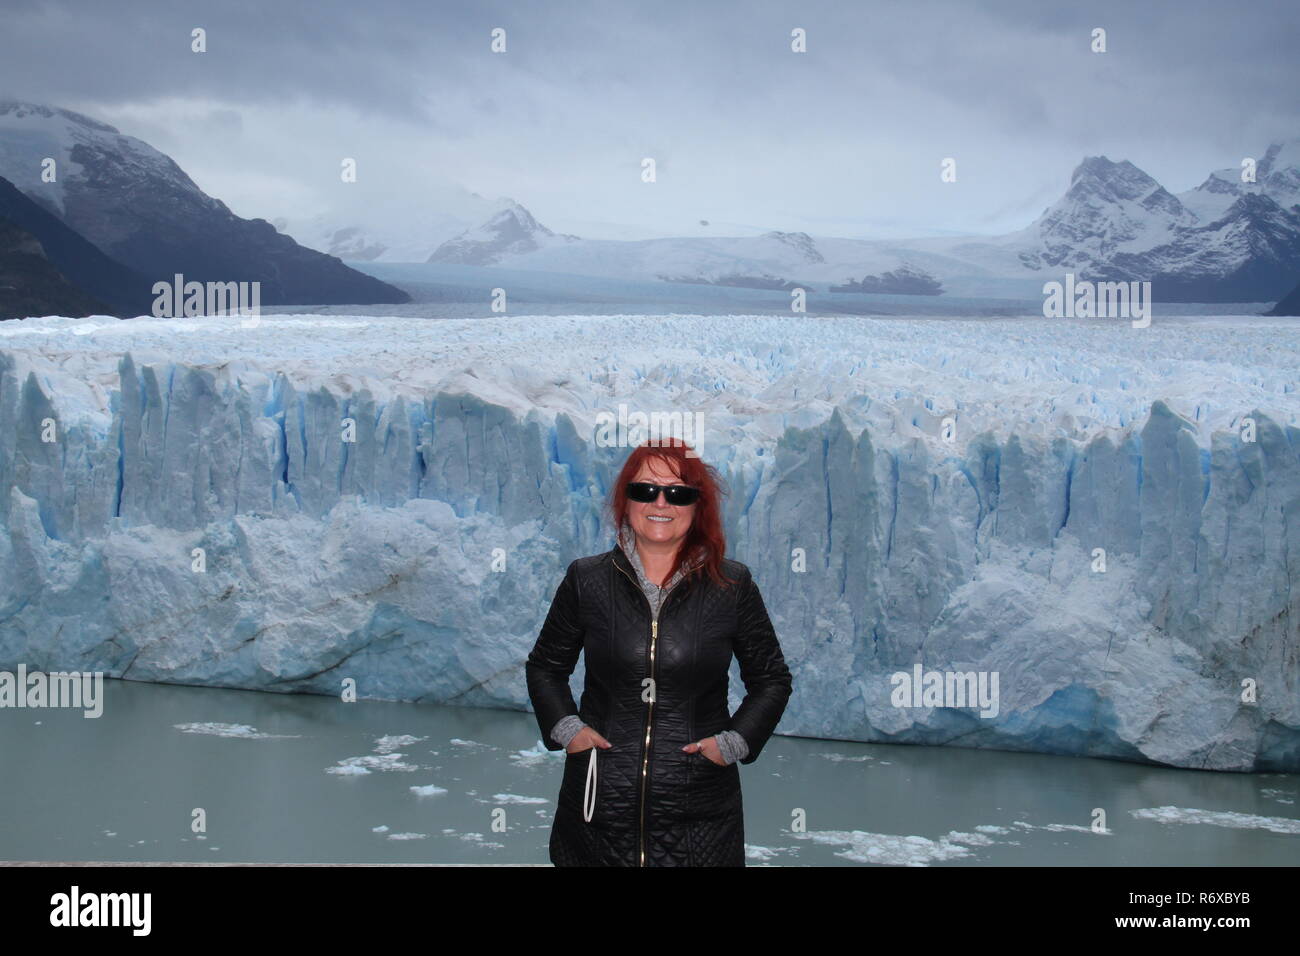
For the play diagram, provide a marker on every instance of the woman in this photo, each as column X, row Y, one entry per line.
column 650, row 775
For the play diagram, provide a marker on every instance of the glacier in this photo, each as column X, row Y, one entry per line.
column 906, row 491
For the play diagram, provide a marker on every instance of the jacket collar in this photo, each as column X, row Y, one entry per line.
column 626, row 557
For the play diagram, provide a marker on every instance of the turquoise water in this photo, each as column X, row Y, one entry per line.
column 441, row 290
column 124, row 787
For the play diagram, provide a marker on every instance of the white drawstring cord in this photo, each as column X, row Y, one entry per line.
column 589, row 791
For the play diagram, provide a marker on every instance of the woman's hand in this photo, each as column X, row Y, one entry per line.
column 585, row 739
column 709, row 748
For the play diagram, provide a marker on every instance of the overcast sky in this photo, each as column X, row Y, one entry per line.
column 845, row 139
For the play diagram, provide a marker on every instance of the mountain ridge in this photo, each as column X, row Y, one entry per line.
column 1113, row 223
column 140, row 208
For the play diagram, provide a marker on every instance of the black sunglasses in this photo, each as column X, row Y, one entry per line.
column 647, row 493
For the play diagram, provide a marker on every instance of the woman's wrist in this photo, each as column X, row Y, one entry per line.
column 732, row 745
column 566, row 728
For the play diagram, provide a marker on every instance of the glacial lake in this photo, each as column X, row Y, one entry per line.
column 309, row 779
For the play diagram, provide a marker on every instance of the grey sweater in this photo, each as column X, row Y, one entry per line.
column 730, row 742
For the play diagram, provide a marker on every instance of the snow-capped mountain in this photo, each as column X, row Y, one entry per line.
column 512, row 231
column 1250, row 253
column 692, row 258
column 1228, row 242
column 780, row 260
column 368, row 225
column 349, row 242
column 1223, row 241
column 140, row 208
column 1109, row 207
column 1277, row 176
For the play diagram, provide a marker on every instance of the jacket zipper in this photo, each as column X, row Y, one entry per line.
column 649, row 715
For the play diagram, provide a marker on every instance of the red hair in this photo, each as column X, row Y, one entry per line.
column 706, row 525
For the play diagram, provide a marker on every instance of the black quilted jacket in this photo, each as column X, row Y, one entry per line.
column 654, row 804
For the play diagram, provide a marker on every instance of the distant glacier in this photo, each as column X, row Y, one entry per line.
column 947, row 485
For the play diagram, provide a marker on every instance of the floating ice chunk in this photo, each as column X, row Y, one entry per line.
column 428, row 790
column 228, row 730
column 386, row 745
column 363, row 765
column 1218, row 818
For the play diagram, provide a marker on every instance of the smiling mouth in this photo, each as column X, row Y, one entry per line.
column 658, row 518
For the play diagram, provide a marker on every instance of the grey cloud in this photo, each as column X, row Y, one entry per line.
column 589, row 85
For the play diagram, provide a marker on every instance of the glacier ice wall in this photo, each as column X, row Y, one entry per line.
column 419, row 559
